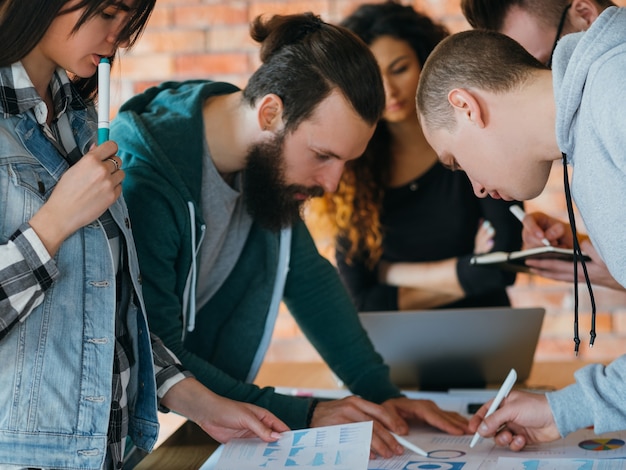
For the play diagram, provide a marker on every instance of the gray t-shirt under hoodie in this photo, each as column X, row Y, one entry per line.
column 226, row 232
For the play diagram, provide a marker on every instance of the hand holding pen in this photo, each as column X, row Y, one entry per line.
column 104, row 109
column 84, row 191
column 506, row 387
column 539, row 224
column 524, row 418
column 519, row 213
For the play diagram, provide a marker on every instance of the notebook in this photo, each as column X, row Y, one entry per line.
column 455, row 348
column 516, row 260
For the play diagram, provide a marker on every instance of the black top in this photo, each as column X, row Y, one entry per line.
column 435, row 217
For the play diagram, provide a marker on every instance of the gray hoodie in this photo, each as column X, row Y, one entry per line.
column 589, row 71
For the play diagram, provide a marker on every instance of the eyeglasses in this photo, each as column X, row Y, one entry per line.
column 559, row 32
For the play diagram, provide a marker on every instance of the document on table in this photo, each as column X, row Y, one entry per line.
column 342, row 447
column 561, row 464
column 582, row 450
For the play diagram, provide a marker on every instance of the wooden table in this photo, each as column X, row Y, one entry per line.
column 189, row 447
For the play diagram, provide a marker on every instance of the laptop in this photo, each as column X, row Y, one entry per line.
column 455, row 348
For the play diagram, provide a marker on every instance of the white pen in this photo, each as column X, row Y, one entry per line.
column 409, row 445
column 104, row 79
column 506, row 387
column 518, row 212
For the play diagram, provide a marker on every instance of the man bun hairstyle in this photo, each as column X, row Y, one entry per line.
column 305, row 59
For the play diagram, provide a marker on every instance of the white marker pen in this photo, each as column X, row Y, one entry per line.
column 518, row 212
column 104, row 85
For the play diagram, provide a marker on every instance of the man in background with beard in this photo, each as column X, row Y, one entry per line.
column 215, row 181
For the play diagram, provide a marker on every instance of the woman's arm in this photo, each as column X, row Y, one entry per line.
column 508, row 237
column 27, row 269
column 26, row 272
column 432, row 284
column 423, row 285
column 221, row 418
column 366, row 291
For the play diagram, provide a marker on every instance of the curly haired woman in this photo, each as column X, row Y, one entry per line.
column 405, row 227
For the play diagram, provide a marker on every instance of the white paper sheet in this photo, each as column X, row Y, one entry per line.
column 444, row 452
column 343, row 447
column 582, row 450
column 582, row 444
column 561, row 464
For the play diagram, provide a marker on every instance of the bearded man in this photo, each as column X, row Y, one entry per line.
column 215, row 181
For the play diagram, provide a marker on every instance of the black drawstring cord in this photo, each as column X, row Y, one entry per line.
column 578, row 255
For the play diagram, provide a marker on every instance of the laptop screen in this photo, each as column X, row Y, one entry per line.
column 455, row 348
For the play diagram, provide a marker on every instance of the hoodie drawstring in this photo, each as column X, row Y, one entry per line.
column 189, row 294
column 578, row 255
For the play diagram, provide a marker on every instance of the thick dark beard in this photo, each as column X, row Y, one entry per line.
column 269, row 200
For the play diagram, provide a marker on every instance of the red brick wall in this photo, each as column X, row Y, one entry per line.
column 209, row 39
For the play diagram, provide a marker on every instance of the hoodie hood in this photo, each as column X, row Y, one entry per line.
column 161, row 140
column 576, row 58
column 159, row 125
column 588, row 76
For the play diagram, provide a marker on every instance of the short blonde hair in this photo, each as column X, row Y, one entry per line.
column 476, row 59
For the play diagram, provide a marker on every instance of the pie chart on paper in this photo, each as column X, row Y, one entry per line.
column 601, row 444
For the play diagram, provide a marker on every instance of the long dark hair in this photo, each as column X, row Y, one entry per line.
column 353, row 211
column 305, row 59
column 23, row 24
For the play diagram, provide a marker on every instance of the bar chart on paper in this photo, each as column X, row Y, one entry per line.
column 346, row 447
column 343, row 447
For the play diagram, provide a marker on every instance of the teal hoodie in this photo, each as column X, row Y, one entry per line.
column 160, row 134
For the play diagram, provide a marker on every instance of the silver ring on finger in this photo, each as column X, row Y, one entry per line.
column 114, row 161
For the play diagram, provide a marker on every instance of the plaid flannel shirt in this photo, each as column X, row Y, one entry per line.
column 27, row 270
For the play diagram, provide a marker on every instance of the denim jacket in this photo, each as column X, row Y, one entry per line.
column 56, row 364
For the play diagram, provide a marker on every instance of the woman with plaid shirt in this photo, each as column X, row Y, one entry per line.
column 80, row 371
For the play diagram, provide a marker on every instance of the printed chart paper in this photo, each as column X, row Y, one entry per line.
column 343, row 447
column 444, row 452
column 561, row 464
column 582, row 444
column 582, row 450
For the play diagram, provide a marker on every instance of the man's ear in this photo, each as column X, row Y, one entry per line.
column 270, row 112
column 582, row 13
column 466, row 107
